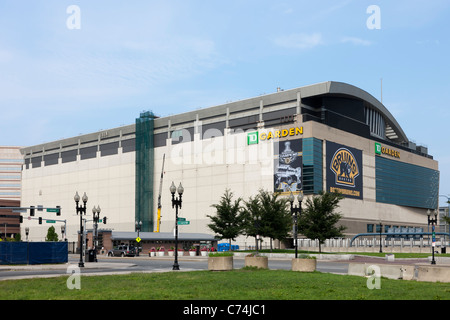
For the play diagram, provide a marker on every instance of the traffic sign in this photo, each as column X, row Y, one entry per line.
column 183, row 223
column 50, row 221
column 138, row 239
column 181, row 219
column 52, row 210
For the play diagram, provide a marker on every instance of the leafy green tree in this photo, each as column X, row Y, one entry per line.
column 318, row 220
column 51, row 234
column 227, row 223
column 276, row 216
column 267, row 215
column 252, row 218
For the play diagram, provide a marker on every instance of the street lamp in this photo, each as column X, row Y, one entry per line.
column 138, row 228
column 296, row 211
column 432, row 222
column 63, row 230
column 381, row 228
column 80, row 210
column 257, row 222
column 96, row 215
column 176, row 203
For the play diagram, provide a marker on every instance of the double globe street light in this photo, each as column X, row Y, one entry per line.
column 295, row 211
column 80, row 210
column 176, row 203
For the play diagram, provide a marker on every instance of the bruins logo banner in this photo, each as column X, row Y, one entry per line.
column 344, row 170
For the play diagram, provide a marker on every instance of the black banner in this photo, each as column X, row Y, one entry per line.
column 344, row 170
column 288, row 166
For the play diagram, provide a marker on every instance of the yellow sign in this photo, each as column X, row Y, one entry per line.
column 281, row 133
column 138, row 239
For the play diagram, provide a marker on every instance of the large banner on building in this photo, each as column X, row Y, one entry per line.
column 344, row 169
column 288, row 166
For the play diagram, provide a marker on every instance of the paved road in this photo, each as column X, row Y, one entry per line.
column 145, row 264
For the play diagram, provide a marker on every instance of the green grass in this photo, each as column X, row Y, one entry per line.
column 240, row 284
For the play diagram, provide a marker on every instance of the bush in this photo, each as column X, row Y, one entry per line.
column 221, row 254
column 305, row 256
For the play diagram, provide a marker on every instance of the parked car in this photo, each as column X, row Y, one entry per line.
column 122, row 251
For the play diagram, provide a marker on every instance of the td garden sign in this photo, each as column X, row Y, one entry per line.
column 381, row 150
column 255, row 137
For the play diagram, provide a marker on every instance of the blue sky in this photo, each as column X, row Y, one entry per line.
column 173, row 56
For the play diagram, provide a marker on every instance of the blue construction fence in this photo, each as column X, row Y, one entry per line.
column 33, row 252
column 226, row 247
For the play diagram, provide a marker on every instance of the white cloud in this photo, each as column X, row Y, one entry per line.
column 356, row 41
column 299, row 40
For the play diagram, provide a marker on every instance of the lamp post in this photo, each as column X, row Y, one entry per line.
column 176, row 203
column 138, row 228
column 80, row 210
column 63, row 230
column 432, row 221
column 381, row 228
column 27, row 231
column 96, row 215
column 296, row 211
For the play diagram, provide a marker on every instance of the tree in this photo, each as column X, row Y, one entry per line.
column 227, row 223
column 252, row 218
column 276, row 216
column 51, row 234
column 319, row 219
column 267, row 215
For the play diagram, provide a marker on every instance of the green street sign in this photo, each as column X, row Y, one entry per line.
column 52, row 210
column 181, row 219
column 50, row 221
column 183, row 223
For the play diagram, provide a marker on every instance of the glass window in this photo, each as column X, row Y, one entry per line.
column 312, row 166
column 406, row 184
column 370, row 228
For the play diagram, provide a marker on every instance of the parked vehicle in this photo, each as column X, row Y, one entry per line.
column 122, row 251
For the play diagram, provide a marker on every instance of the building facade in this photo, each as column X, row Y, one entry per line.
column 329, row 136
column 11, row 161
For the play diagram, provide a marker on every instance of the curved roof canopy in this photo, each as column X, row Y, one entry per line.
column 341, row 88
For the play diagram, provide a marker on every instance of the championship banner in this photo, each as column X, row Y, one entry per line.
column 344, row 169
column 288, row 166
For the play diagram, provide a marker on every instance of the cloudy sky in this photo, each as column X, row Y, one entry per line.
column 66, row 71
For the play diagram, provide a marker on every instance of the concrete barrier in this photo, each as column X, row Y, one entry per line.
column 433, row 273
column 390, row 271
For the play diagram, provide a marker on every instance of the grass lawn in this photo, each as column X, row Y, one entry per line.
column 240, row 284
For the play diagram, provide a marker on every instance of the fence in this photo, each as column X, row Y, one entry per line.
column 33, row 252
column 372, row 244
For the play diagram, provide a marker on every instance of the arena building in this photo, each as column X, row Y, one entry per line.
column 329, row 136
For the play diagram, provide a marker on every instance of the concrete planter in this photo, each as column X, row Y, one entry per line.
column 304, row 265
column 220, row 263
column 258, row 262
